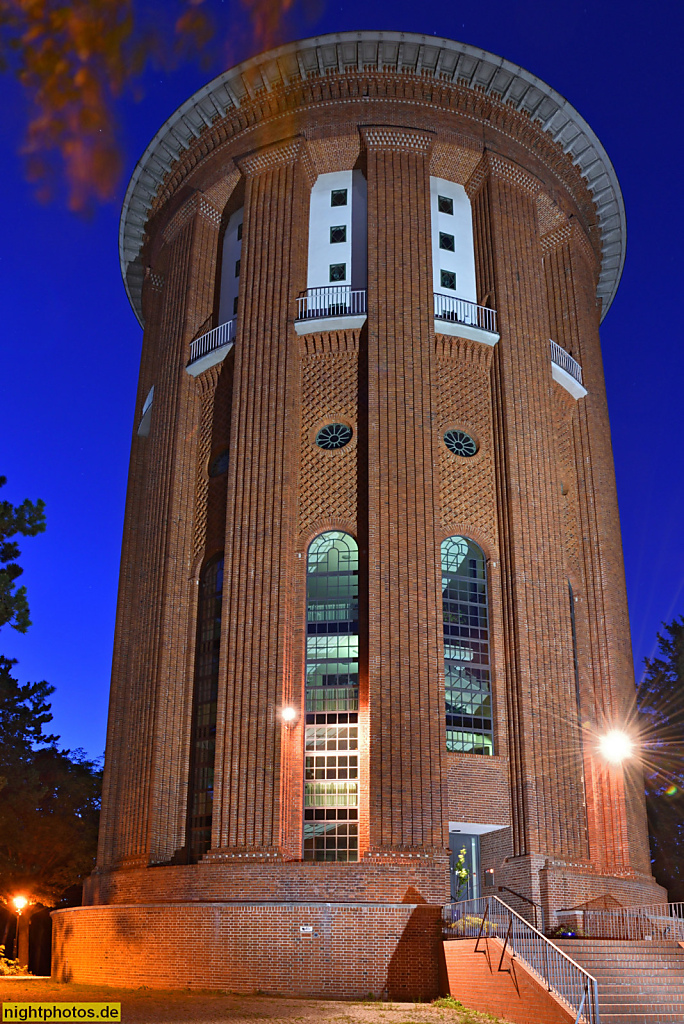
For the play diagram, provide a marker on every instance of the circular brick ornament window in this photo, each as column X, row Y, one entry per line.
column 333, row 435
column 460, row 443
column 219, row 464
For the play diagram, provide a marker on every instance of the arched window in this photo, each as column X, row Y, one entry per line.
column 466, row 647
column 205, row 691
column 331, row 794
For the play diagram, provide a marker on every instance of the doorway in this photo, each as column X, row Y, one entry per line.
column 471, row 844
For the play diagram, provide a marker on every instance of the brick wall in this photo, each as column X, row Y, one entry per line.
column 390, row 878
column 393, row 952
column 511, row 992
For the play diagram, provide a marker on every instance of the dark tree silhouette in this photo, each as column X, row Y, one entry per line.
column 661, row 707
column 49, row 798
column 26, row 519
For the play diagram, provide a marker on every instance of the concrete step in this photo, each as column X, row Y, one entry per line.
column 642, row 1001
column 642, row 1018
column 639, row 982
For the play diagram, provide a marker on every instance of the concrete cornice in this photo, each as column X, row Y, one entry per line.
column 405, row 52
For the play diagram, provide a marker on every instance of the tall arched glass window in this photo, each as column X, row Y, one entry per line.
column 331, row 794
column 466, row 647
column 205, row 692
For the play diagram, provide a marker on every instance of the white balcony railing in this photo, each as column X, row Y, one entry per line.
column 563, row 359
column 331, row 301
column 222, row 335
column 461, row 311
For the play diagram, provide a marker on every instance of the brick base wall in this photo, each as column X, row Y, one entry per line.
column 392, row 951
column 512, row 992
column 563, row 887
column 560, row 885
column 367, row 882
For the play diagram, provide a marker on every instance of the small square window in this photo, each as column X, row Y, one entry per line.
column 239, row 233
column 446, row 241
column 338, row 272
column 445, row 205
column 447, row 279
column 338, row 197
column 237, row 268
column 235, row 301
column 338, row 233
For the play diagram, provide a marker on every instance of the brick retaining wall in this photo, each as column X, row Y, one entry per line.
column 392, row 951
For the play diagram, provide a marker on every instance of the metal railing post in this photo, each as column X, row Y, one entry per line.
column 503, row 951
column 479, row 934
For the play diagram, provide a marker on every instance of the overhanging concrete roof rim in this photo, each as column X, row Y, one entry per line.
column 581, row 143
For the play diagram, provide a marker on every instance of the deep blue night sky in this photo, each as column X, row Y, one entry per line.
column 71, row 343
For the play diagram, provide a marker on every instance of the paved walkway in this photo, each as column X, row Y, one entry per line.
column 151, row 1006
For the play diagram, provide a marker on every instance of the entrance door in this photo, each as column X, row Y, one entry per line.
column 471, row 844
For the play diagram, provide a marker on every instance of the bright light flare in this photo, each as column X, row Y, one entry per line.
column 616, row 746
column 19, row 903
column 289, row 714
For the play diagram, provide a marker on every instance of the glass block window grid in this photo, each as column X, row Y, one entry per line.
column 205, row 692
column 331, row 793
column 467, row 679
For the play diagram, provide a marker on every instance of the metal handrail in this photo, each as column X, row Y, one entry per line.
column 330, row 301
column 563, row 359
column 462, row 311
column 490, row 917
column 526, row 899
column 224, row 334
column 654, row 921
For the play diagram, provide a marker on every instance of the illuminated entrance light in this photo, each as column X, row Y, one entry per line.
column 616, row 746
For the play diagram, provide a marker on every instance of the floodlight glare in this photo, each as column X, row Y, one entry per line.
column 19, row 903
column 616, row 746
column 289, row 714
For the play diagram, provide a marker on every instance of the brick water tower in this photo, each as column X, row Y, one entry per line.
column 372, row 607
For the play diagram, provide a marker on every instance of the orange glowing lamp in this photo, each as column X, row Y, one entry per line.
column 19, row 903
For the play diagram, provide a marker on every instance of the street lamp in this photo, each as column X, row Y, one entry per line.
column 616, row 746
column 21, row 934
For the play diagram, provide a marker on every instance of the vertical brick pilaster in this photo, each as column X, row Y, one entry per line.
column 113, row 838
column 617, row 818
column 262, row 507
column 548, row 799
column 405, row 687
column 153, row 758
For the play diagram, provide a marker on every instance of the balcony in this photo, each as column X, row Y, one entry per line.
column 566, row 371
column 332, row 308
column 211, row 348
column 464, row 319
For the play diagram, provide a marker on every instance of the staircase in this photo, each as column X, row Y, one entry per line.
column 639, row 982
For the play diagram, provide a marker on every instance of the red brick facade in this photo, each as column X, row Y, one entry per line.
column 538, row 498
